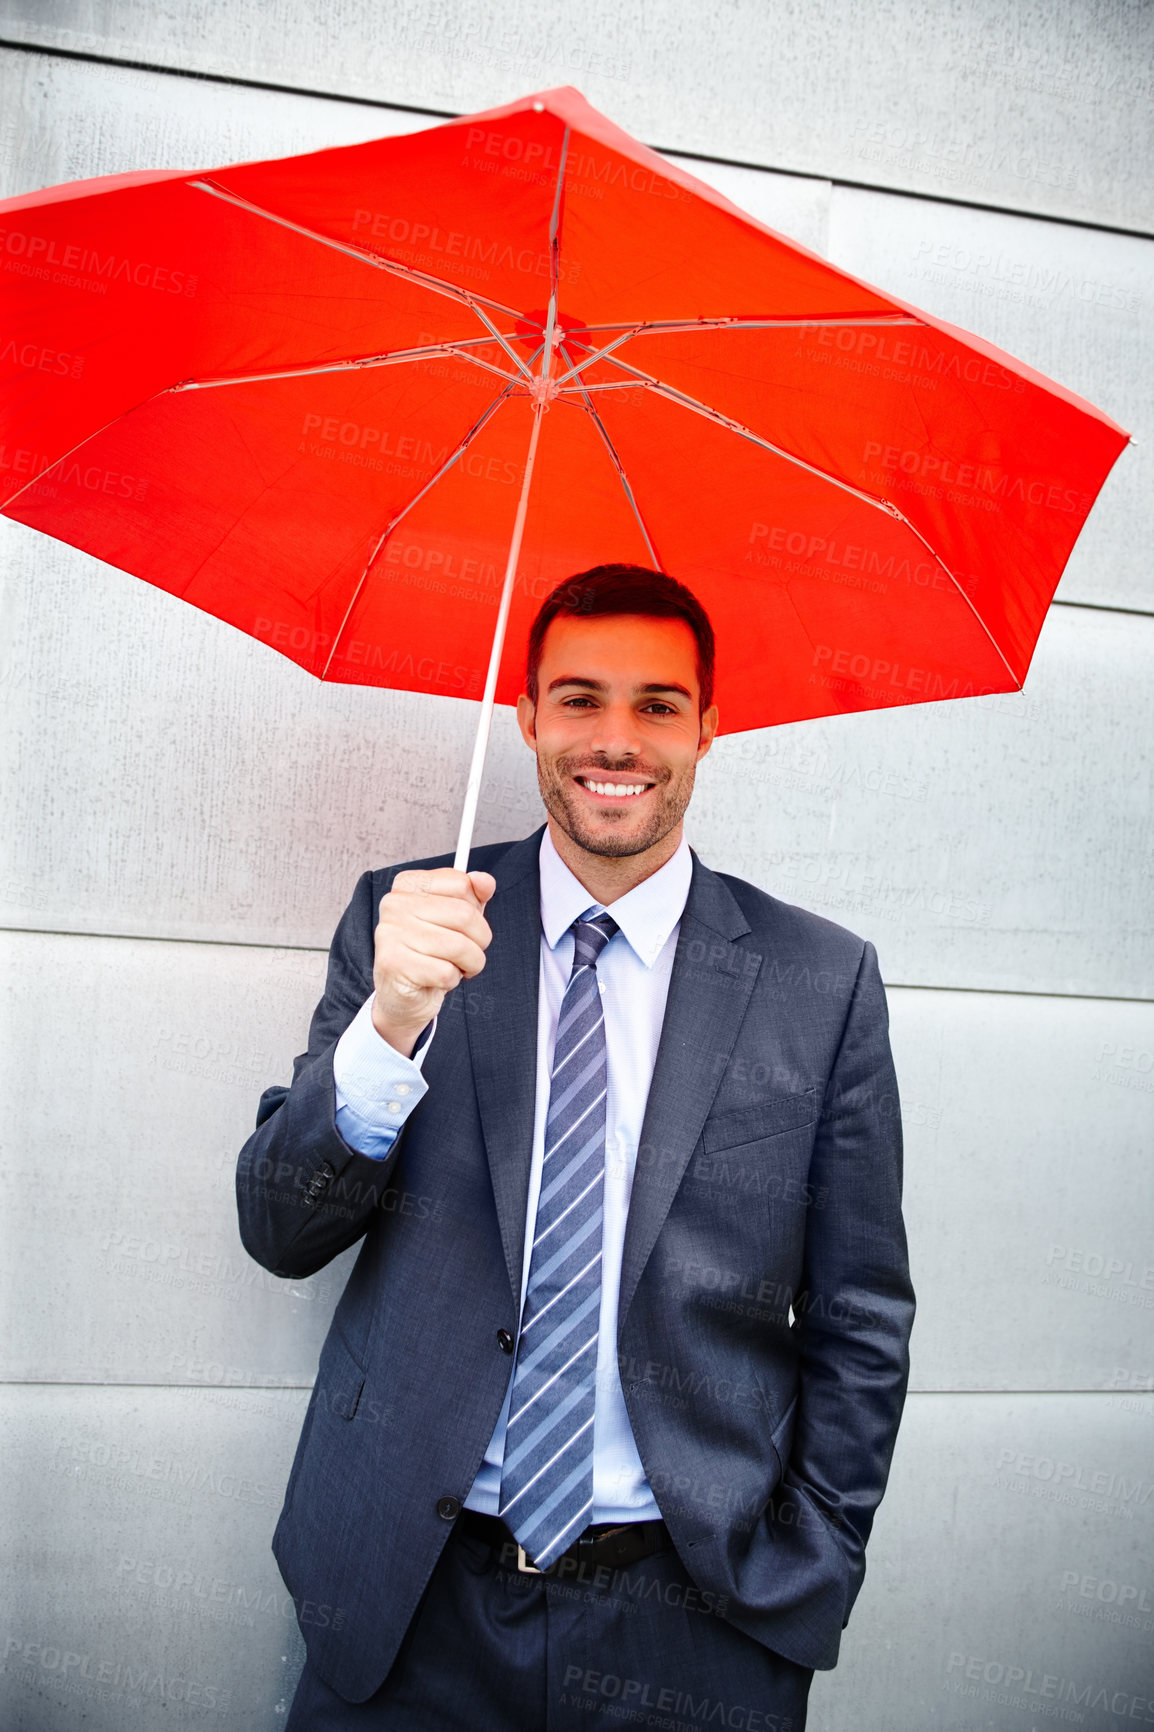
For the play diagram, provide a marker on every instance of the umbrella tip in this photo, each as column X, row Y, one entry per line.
column 538, row 108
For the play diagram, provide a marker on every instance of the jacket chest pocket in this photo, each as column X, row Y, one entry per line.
column 737, row 1130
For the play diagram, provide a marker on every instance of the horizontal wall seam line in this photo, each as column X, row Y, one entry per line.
column 910, row 1394
column 168, row 938
column 1021, row 992
column 322, row 950
column 1041, row 216
column 1105, row 607
column 90, row 57
column 232, row 1388
column 95, row 59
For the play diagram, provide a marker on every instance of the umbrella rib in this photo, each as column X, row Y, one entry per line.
column 357, row 362
column 72, row 449
column 715, row 415
column 735, row 323
column 436, row 285
column 886, row 505
column 617, row 464
column 240, row 379
column 600, row 354
column 673, row 327
column 582, row 390
column 453, row 457
column 496, row 334
column 934, row 554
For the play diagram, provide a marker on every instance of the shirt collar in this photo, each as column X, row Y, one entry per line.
column 646, row 914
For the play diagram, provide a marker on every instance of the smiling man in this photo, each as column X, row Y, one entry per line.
column 609, row 1400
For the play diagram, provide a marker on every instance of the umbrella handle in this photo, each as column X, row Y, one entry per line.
column 481, row 742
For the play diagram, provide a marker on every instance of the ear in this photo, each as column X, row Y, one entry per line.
column 707, row 731
column 527, row 720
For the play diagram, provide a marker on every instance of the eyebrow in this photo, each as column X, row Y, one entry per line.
column 654, row 686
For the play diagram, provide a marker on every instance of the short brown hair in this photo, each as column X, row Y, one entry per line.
column 617, row 589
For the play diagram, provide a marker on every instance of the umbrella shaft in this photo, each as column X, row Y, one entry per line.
column 481, row 742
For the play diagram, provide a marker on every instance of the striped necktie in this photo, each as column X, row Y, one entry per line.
column 547, row 1474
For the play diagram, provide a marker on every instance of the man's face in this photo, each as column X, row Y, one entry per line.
column 617, row 709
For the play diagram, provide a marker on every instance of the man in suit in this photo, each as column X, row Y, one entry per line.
column 609, row 1400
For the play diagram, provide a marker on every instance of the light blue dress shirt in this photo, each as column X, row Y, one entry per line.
column 377, row 1088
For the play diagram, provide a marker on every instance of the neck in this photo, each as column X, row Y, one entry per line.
column 605, row 876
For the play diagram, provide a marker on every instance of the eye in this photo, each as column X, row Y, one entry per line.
column 567, row 701
column 663, row 708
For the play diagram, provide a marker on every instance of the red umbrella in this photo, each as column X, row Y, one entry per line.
column 370, row 404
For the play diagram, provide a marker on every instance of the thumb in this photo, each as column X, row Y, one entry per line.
column 483, row 884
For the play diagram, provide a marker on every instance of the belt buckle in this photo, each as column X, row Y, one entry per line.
column 523, row 1564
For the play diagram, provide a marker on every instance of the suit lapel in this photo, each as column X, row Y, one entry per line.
column 501, row 1007
column 709, row 991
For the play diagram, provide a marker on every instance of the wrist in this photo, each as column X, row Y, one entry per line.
column 402, row 1037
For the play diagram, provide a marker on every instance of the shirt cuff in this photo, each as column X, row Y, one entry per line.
column 362, row 1138
column 379, row 1083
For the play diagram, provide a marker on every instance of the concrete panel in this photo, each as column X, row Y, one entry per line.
column 71, row 120
column 133, row 1075
column 1009, row 1583
column 1033, row 107
column 168, row 776
column 978, row 843
column 1075, row 303
column 140, row 1587
column 1029, row 1188
column 1028, row 1184
column 170, row 730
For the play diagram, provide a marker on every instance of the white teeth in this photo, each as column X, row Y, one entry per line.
column 617, row 790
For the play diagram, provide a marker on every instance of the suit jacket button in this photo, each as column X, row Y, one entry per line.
column 504, row 1341
column 448, row 1508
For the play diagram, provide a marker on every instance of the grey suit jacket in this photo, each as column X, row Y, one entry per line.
column 765, row 1303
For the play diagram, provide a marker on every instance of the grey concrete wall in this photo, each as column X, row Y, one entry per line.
column 187, row 813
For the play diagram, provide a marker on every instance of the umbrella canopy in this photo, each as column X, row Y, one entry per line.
column 370, row 404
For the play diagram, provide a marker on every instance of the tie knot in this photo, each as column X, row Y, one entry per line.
column 590, row 938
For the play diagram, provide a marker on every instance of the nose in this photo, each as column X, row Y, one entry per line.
column 615, row 734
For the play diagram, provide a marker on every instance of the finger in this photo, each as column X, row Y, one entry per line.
column 403, row 995
column 442, row 944
column 425, row 931
column 420, row 974
column 435, row 881
column 452, row 913
column 483, row 884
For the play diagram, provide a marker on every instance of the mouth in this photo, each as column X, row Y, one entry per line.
column 621, row 790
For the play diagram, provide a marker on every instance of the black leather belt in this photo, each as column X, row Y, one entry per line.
column 606, row 1544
